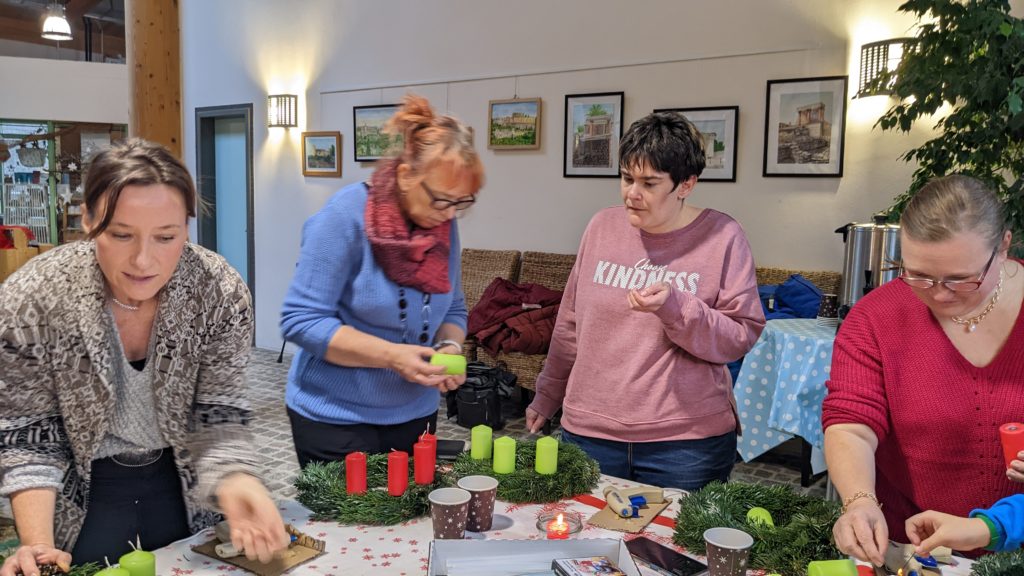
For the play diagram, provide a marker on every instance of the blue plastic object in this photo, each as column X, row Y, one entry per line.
column 928, row 561
column 638, row 500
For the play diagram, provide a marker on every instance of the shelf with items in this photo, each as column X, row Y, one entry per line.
column 71, row 221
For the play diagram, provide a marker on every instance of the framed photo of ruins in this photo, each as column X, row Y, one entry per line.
column 593, row 128
column 805, row 126
column 720, row 128
column 513, row 124
column 321, row 154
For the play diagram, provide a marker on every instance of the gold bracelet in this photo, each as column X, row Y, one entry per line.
column 862, row 494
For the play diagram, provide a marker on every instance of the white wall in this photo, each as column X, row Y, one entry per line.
column 661, row 53
column 39, row 89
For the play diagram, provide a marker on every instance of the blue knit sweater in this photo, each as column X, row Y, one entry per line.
column 1008, row 517
column 338, row 283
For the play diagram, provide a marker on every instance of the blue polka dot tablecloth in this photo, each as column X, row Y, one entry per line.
column 781, row 385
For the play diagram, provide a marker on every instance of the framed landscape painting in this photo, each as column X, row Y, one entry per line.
column 720, row 128
column 805, row 126
column 593, row 128
column 321, row 154
column 370, row 142
column 514, row 124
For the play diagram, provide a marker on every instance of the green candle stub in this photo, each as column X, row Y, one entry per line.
column 760, row 515
column 113, row 571
column 454, row 364
column 138, row 563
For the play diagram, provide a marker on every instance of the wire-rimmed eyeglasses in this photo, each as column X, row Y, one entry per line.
column 438, row 203
column 952, row 285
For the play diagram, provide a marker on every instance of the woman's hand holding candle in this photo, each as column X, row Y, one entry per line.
column 256, row 524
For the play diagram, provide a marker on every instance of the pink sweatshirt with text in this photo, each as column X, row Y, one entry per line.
column 635, row 376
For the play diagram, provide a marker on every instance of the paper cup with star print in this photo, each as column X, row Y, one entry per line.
column 483, row 491
column 449, row 509
column 728, row 551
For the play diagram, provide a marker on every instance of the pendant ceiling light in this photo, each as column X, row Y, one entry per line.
column 56, row 26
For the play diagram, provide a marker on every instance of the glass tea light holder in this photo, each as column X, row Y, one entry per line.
column 559, row 524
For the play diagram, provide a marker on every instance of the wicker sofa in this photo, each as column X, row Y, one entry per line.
column 480, row 267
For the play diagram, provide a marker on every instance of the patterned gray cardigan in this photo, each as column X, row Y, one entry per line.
column 57, row 375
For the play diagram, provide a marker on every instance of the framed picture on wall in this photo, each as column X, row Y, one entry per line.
column 593, row 128
column 513, row 124
column 720, row 128
column 370, row 142
column 321, row 154
column 805, row 127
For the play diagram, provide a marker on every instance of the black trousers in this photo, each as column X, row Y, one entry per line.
column 320, row 442
column 128, row 502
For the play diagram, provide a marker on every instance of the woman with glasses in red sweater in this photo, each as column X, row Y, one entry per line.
column 925, row 370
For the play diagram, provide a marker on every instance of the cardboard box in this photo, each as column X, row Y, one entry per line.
column 507, row 552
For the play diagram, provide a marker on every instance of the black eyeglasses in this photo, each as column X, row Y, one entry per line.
column 952, row 285
column 443, row 203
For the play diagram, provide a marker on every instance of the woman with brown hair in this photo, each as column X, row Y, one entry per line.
column 377, row 291
column 925, row 370
column 122, row 379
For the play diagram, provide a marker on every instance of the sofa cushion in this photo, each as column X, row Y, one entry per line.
column 797, row 297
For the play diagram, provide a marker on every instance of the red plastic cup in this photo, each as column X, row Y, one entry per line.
column 1012, row 436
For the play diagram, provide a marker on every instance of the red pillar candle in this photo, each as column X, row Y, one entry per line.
column 429, row 439
column 424, row 462
column 355, row 473
column 398, row 472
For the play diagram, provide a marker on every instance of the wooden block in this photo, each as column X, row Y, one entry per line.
column 19, row 237
column 9, row 262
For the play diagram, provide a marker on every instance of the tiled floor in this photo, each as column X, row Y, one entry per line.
column 273, row 436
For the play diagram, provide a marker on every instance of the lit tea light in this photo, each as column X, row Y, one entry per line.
column 558, row 529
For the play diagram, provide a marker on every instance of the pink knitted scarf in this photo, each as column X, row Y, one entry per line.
column 410, row 256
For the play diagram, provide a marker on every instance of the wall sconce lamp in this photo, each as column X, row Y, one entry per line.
column 282, row 111
column 56, row 26
column 877, row 58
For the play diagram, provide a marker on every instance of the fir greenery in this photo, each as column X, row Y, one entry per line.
column 802, row 531
column 321, row 489
column 577, row 474
column 969, row 55
column 1004, row 564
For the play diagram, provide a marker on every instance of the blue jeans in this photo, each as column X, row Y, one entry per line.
column 686, row 464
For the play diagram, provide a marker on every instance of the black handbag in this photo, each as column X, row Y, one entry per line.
column 480, row 398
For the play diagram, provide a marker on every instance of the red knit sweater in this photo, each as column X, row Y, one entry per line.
column 936, row 415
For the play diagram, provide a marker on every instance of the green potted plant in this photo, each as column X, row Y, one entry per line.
column 968, row 55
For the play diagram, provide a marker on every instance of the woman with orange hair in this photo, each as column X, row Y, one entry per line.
column 377, row 291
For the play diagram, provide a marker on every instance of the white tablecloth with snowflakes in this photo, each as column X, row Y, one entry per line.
column 781, row 385
column 402, row 549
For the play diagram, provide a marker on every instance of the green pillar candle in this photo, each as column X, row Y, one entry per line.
column 844, row 567
column 480, row 447
column 454, row 364
column 504, row 455
column 547, row 456
column 113, row 571
column 138, row 563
